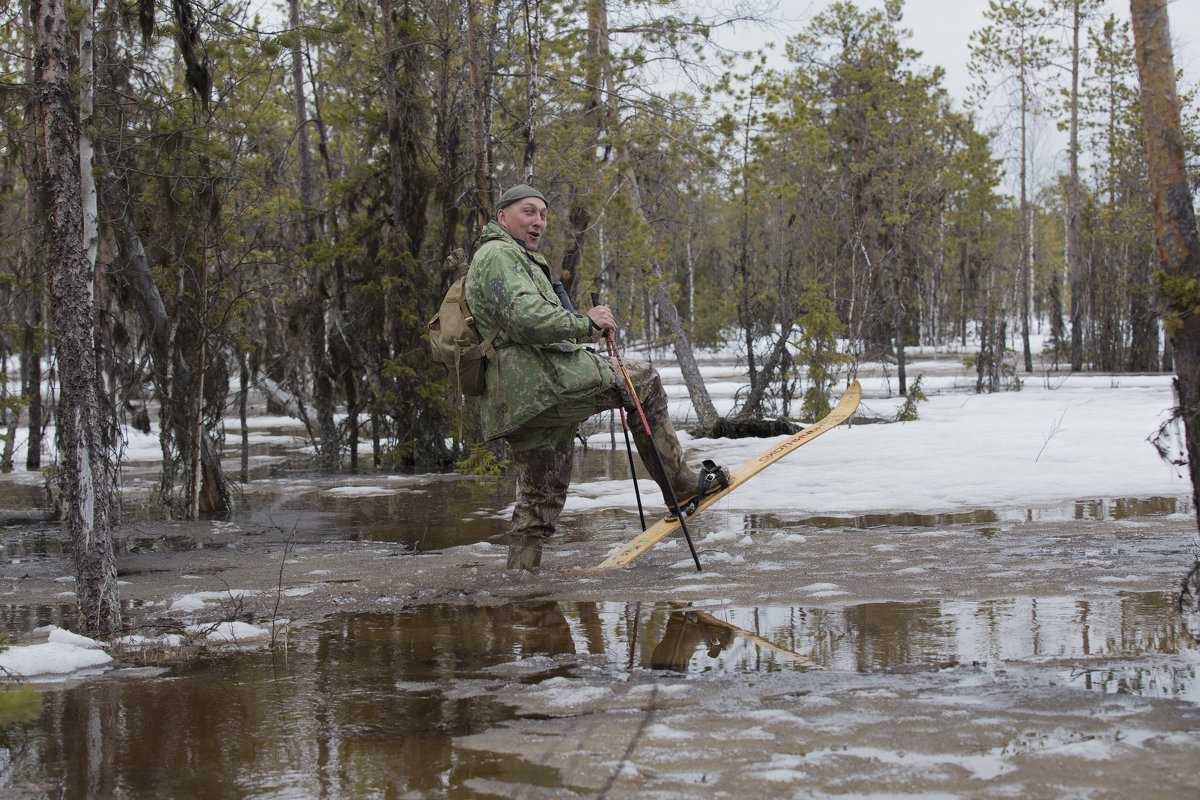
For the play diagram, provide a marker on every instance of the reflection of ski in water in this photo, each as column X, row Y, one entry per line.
column 689, row 628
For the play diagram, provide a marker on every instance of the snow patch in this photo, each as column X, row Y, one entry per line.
column 198, row 600
column 137, row 642
column 563, row 694
column 781, row 775
column 63, row 653
column 58, row 635
column 994, row 445
column 362, row 491
column 665, row 733
column 234, row 632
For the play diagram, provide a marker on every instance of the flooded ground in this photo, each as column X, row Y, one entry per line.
column 992, row 652
column 998, row 653
column 1044, row 697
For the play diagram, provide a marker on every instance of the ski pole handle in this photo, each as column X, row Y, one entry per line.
column 608, row 334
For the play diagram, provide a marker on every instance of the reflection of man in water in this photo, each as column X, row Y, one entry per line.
column 531, row 627
column 685, row 632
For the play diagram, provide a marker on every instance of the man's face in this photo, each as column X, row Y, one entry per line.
column 524, row 219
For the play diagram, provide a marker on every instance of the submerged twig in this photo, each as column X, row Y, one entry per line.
column 287, row 549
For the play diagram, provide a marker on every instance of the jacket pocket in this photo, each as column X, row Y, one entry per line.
column 575, row 370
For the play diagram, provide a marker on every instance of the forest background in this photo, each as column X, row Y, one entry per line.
column 269, row 205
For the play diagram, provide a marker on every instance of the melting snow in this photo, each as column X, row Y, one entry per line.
column 198, row 600
column 62, row 654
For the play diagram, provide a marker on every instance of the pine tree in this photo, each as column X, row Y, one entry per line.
column 1012, row 51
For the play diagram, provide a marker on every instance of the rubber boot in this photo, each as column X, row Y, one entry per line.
column 543, row 476
column 679, row 477
column 524, row 552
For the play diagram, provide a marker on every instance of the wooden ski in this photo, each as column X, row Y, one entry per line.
column 670, row 523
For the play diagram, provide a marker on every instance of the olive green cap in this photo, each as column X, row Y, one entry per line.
column 519, row 192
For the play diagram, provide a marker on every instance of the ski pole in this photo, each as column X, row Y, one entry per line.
column 629, row 451
column 637, row 492
column 637, row 403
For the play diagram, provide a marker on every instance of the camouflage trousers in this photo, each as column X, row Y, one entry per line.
column 544, row 472
column 679, row 478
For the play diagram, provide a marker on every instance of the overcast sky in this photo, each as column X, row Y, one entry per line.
column 942, row 30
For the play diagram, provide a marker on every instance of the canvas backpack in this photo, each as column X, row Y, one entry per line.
column 455, row 340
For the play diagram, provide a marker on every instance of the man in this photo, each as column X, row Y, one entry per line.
column 543, row 381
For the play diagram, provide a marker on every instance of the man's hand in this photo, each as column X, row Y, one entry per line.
column 602, row 318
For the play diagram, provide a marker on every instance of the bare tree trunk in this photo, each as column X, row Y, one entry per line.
column 91, row 233
column 34, row 267
column 1074, row 204
column 533, row 43
column 579, row 215
column 31, row 388
column 577, row 225
column 706, row 412
column 197, row 433
column 744, row 307
column 85, row 461
column 1174, row 216
column 1025, row 271
column 898, row 339
column 752, row 407
column 243, row 398
column 322, row 377
column 481, row 88
column 406, row 128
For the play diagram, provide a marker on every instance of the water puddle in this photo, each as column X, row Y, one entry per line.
column 19, row 491
column 32, row 543
column 361, row 706
column 873, row 636
column 421, row 514
column 431, row 512
column 1098, row 509
column 371, row 705
column 16, row 620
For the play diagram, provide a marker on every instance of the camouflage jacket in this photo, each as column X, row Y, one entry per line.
column 539, row 362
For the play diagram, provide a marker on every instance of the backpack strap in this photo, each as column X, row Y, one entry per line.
column 458, row 395
column 488, row 349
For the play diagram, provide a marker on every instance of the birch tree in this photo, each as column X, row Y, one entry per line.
column 85, row 460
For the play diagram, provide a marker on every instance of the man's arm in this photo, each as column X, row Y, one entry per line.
column 523, row 308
